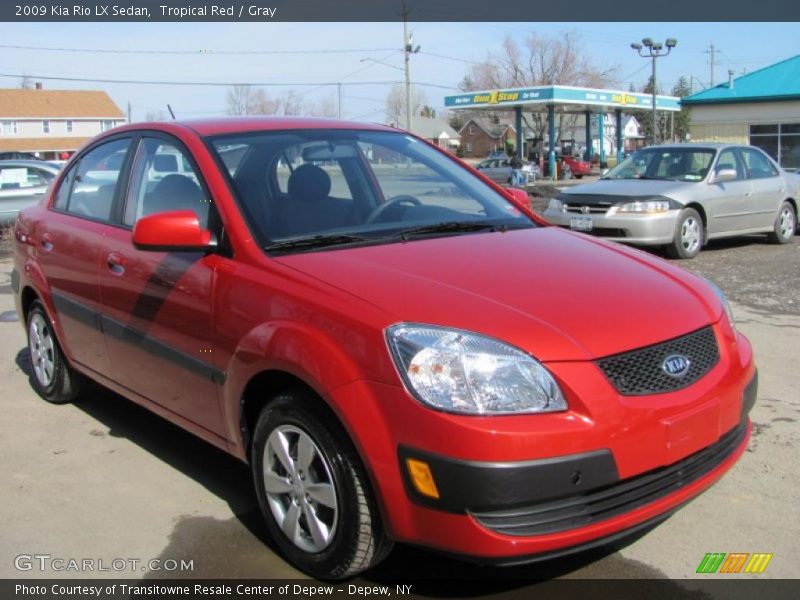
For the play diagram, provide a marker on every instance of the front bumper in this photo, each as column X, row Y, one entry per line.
column 639, row 229
column 494, row 473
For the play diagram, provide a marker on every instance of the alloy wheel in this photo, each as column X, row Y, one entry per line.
column 786, row 224
column 300, row 489
column 690, row 234
column 42, row 349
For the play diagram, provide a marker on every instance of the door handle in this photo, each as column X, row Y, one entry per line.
column 47, row 243
column 115, row 263
column 748, row 194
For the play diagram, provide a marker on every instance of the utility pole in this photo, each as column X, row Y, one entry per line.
column 712, row 52
column 339, row 88
column 129, row 112
column 408, row 50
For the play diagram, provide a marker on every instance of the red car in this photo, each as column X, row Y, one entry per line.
column 362, row 318
column 578, row 167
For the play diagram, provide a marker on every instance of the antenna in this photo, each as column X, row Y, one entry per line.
column 169, row 108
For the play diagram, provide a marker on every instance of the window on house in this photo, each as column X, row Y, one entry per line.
column 781, row 142
column 469, row 147
column 45, row 126
column 471, row 132
column 70, row 126
column 8, row 128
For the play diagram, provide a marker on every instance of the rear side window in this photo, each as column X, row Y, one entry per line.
column 758, row 165
column 95, row 181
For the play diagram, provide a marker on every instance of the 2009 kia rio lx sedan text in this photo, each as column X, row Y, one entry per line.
column 372, row 326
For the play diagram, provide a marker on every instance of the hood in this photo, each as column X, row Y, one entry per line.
column 554, row 293
column 622, row 190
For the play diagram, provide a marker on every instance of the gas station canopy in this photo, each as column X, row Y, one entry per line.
column 554, row 99
column 565, row 99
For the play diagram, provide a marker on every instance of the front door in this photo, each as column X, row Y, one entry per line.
column 157, row 305
column 730, row 200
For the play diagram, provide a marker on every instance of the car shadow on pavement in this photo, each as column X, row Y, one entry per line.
column 230, row 480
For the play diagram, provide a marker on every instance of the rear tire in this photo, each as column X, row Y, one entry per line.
column 317, row 501
column 689, row 235
column 785, row 225
column 52, row 378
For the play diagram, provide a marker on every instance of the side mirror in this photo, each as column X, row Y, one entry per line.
column 172, row 231
column 724, row 175
column 520, row 199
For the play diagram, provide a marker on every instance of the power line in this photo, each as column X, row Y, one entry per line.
column 193, row 52
column 211, row 83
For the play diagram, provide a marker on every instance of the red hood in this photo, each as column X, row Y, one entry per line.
column 558, row 295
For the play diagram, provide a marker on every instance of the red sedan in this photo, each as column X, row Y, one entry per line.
column 361, row 318
column 578, row 167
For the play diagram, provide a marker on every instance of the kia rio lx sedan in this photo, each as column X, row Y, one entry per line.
column 361, row 318
column 680, row 196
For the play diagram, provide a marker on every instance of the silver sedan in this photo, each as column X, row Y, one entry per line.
column 680, row 196
column 22, row 183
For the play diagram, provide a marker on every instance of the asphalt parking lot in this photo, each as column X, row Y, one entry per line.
column 105, row 479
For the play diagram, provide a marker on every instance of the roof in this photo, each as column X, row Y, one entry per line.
column 432, row 128
column 493, row 129
column 224, row 125
column 41, row 144
column 780, row 81
column 57, row 104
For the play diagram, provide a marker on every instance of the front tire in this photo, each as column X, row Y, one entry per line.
column 689, row 235
column 312, row 490
column 785, row 225
column 52, row 378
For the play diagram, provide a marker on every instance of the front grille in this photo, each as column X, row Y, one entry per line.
column 609, row 232
column 579, row 511
column 639, row 372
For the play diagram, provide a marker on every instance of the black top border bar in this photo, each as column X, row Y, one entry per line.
column 392, row 10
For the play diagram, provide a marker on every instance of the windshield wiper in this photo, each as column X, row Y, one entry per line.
column 449, row 227
column 319, row 241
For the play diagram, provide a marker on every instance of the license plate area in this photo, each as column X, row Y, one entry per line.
column 581, row 223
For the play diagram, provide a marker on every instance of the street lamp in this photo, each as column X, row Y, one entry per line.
column 650, row 49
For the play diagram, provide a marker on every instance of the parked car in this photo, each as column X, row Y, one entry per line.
column 681, row 196
column 499, row 170
column 22, row 183
column 369, row 335
column 578, row 167
column 11, row 155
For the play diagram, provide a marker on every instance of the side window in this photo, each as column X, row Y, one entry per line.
column 62, row 195
column 729, row 160
column 758, row 166
column 12, row 178
column 163, row 180
column 96, row 180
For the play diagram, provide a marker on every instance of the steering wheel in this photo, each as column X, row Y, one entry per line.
column 375, row 215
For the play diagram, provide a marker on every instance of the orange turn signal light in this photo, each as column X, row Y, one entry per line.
column 422, row 478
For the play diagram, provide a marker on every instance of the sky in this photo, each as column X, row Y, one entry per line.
column 364, row 57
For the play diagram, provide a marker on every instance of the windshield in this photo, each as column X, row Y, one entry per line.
column 337, row 187
column 675, row 164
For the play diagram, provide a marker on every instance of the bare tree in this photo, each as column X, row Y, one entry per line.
column 25, row 82
column 291, row 104
column 396, row 104
column 540, row 60
column 244, row 100
column 155, row 115
column 326, row 107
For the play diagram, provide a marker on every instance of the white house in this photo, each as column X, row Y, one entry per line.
column 437, row 131
column 50, row 122
column 632, row 137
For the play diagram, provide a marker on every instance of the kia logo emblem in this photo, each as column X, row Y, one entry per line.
column 676, row 365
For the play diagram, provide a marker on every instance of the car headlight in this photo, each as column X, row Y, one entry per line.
column 722, row 298
column 462, row 372
column 555, row 204
column 645, row 206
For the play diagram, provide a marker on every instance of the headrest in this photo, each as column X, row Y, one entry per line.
column 309, row 183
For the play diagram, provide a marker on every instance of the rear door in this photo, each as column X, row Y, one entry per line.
column 768, row 189
column 157, row 305
column 69, row 243
column 730, row 200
